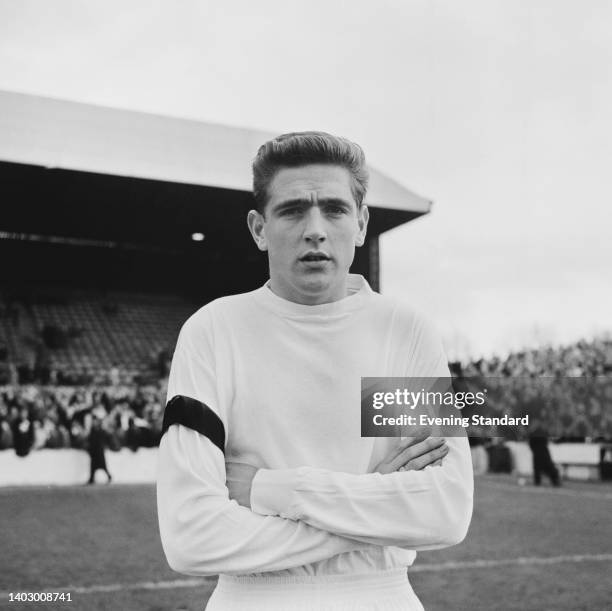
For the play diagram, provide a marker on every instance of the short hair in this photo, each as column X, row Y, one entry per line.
column 303, row 148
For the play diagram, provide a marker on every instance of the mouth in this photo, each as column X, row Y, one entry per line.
column 315, row 257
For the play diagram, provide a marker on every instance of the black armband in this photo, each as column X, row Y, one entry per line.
column 196, row 416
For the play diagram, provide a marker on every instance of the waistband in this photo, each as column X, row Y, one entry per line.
column 383, row 581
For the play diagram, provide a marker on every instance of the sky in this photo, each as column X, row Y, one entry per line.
column 498, row 111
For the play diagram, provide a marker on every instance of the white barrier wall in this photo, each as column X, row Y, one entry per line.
column 582, row 458
column 69, row 467
column 480, row 460
column 522, row 462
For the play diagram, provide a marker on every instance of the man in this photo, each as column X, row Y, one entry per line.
column 97, row 441
column 542, row 461
column 263, row 475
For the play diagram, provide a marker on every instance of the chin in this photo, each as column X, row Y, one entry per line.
column 315, row 285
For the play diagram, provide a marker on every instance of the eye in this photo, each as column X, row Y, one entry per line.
column 334, row 210
column 293, row 211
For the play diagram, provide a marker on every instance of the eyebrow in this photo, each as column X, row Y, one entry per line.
column 302, row 201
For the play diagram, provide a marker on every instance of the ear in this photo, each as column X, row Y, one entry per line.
column 363, row 216
column 256, row 223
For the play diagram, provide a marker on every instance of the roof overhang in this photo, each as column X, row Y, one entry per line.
column 68, row 135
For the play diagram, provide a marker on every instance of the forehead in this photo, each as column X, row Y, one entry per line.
column 311, row 181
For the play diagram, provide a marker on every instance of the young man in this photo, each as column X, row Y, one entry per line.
column 263, row 475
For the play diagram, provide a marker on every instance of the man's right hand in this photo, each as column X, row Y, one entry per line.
column 414, row 454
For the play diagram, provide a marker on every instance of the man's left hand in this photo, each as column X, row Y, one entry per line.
column 239, row 478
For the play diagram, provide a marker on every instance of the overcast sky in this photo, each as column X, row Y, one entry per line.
column 499, row 111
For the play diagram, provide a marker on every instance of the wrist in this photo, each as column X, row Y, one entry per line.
column 271, row 492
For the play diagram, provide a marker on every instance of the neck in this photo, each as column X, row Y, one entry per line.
column 314, row 297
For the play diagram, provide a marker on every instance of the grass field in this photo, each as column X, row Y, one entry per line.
column 527, row 549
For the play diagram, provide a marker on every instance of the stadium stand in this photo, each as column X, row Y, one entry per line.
column 582, row 358
column 70, row 355
column 566, row 390
column 567, row 393
column 82, row 337
column 114, row 358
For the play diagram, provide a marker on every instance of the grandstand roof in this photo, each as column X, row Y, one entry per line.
column 68, row 135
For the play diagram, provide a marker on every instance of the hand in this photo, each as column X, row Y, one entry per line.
column 414, row 454
column 239, row 479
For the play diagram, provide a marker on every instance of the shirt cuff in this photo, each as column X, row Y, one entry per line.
column 271, row 491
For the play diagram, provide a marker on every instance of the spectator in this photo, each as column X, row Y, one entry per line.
column 114, row 375
column 542, row 461
column 97, row 441
column 23, row 433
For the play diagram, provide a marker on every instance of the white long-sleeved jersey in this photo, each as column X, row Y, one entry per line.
column 261, row 380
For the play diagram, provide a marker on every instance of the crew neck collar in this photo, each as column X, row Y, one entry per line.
column 357, row 287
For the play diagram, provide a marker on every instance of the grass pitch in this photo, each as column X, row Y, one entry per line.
column 528, row 549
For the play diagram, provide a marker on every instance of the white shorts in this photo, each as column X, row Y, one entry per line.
column 384, row 591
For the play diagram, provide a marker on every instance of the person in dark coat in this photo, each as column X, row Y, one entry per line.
column 23, row 433
column 542, row 462
column 96, row 444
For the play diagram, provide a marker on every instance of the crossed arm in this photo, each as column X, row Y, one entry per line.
column 410, row 454
column 419, row 508
column 205, row 532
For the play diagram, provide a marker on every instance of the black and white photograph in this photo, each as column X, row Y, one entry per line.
column 306, row 306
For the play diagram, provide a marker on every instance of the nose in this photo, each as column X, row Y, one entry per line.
column 314, row 230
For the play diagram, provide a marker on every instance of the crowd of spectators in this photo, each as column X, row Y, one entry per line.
column 583, row 358
column 33, row 417
column 566, row 390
